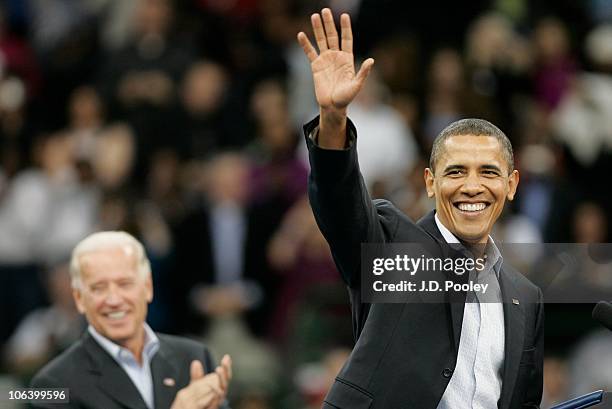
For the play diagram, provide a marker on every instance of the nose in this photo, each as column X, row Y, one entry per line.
column 112, row 297
column 472, row 185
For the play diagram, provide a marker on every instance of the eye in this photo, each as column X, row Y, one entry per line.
column 490, row 172
column 97, row 288
column 454, row 172
column 126, row 283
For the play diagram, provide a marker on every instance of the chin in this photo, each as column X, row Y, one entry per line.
column 119, row 335
column 471, row 236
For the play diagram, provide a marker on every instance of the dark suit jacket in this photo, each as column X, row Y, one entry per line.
column 96, row 381
column 405, row 354
column 195, row 265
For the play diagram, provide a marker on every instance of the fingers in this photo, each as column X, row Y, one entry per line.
column 330, row 29
column 326, row 34
column 319, row 32
column 309, row 50
column 226, row 362
column 347, row 33
column 364, row 71
column 220, row 371
column 224, row 371
column 196, row 370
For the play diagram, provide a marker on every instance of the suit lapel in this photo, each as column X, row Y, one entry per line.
column 165, row 377
column 456, row 300
column 514, row 317
column 112, row 379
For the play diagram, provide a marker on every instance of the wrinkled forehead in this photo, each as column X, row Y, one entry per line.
column 472, row 150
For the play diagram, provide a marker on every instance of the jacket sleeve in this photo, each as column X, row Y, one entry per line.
column 341, row 203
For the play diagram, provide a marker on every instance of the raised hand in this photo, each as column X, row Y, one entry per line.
column 205, row 391
column 333, row 71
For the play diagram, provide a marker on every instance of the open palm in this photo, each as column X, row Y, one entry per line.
column 333, row 69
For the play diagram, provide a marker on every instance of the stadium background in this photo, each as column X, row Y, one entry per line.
column 180, row 123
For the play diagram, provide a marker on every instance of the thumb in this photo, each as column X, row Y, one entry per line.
column 196, row 370
column 364, row 71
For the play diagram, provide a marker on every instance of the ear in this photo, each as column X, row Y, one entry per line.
column 78, row 300
column 149, row 288
column 429, row 182
column 513, row 181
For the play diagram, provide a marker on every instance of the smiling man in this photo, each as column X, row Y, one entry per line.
column 475, row 352
column 120, row 362
column 471, row 174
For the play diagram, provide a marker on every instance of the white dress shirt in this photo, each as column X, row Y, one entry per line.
column 139, row 374
column 477, row 379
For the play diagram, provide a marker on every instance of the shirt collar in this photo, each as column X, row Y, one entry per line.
column 448, row 236
column 151, row 344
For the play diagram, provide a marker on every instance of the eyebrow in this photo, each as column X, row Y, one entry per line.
column 453, row 167
column 462, row 167
column 491, row 167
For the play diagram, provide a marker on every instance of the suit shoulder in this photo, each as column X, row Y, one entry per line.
column 60, row 370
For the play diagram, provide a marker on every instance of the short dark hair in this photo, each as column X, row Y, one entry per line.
column 471, row 126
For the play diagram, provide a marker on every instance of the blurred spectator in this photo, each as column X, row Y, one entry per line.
column 47, row 331
column 214, row 259
column 114, row 156
column 206, row 124
column 583, row 123
column 590, row 224
column 498, row 60
column 388, row 149
column 278, row 174
column 86, row 118
column 15, row 131
column 445, row 94
column 48, row 209
column 302, row 259
column 18, row 58
column 140, row 80
column 555, row 67
column 590, row 364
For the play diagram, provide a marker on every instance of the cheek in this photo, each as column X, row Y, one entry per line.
column 446, row 188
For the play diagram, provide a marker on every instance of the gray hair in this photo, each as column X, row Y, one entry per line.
column 107, row 240
column 471, row 126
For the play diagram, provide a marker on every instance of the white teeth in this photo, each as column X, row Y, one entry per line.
column 471, row 207
column 116, row 315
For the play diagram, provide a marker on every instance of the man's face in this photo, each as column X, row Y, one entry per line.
column 114, row 295
column 471, row 184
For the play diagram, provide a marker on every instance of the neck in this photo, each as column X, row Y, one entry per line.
column 135, row 345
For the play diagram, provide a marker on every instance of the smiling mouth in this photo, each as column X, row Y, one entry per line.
column 471, row 208
column 116, row 316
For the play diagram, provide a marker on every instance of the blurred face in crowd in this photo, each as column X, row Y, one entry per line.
column 471, row 182
column 204, row 87
column 113, row 294
column 153, row 17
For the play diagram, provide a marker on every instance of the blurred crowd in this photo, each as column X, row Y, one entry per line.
column 180, row 122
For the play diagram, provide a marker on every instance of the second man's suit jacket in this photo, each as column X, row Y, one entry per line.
column 96, row 381
column 405, row 354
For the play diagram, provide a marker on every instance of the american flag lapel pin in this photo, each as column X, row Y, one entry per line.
column 169, row 382
column 515, row 301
